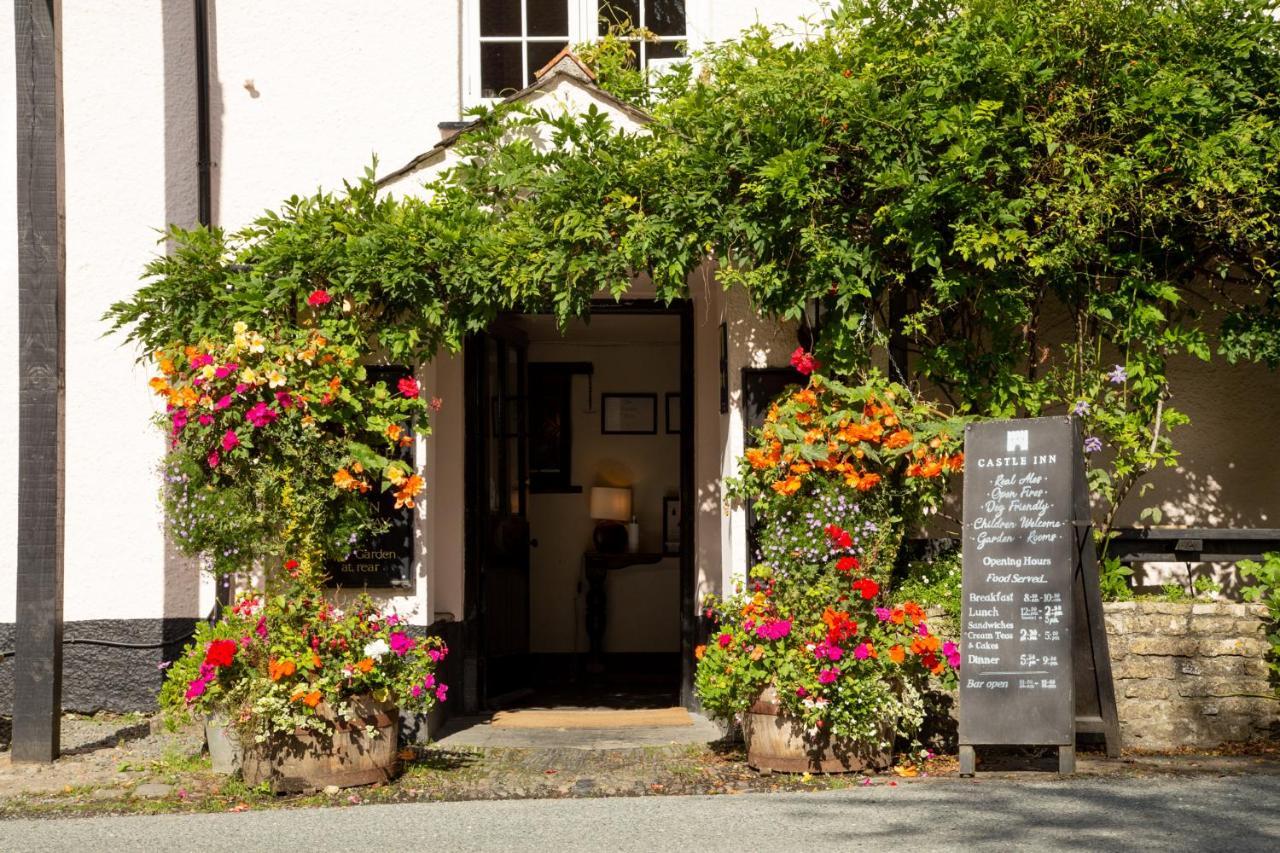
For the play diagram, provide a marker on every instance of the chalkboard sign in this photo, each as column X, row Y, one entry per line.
column 1020, row 560
column 385, row 561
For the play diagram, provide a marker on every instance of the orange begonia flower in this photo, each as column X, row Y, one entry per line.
column 365, row 664
column 896, row 654
column 699, row 652
column 343, row 480
column 868, row 482
column 789, row 486
column 313, row 698
column 900, row 438
column 281, row 669
column 408, row 491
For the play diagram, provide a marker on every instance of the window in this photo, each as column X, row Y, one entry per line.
column 506, row 41
column 517, row 37
column 664, row 18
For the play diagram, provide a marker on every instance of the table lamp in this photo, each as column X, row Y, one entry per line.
column 610, row 507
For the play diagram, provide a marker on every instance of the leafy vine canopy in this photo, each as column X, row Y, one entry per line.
column 1039, row 202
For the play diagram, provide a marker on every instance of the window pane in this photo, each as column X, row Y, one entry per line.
column 663, row 50
column 500, row 69
column 540, row 53
column 499, row 17
column 664, row 17
column 548, row 18
column 618, row 12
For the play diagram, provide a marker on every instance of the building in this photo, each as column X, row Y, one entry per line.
column 659, row 398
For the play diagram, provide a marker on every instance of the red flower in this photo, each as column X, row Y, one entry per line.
column 867, row 587
column 220, row 653
column 725, row 640
column 408, row 386
column 839, row 536
column 847, row 564
column 319, row 298
column 804, row 362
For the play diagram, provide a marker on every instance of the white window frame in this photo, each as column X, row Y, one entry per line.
column 642, row 53
column 583, row 26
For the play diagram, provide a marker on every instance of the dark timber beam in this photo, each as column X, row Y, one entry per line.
column 37, row 693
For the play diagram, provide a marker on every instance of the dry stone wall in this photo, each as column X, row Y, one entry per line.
column 1190, row 674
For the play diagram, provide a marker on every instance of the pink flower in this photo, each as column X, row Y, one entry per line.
column 205, row 419
column 196, row 689
column 828, row 675
column 319, row 298
column 214, row 459
column 201, row 360
column 241, row 387
column 725, row 640
column 229, row 440
column 829, row 651
column 862, row 652
column 775, row 630
column 429, row 681
column 442, row 692
column 408, row 387
column 261, row 415
column 261, row 628
column 952, row 653
column 222, row 403
column 436, row 403
column 436, row 655
column 922, row 629
column 179, row 420
column 883, row 614
column 284, row 399
column 226, row 370
column 801, row 692
column 415, row 691
column 401, row 643
column 804, row 362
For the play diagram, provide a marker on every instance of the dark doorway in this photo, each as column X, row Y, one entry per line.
column 500, row 473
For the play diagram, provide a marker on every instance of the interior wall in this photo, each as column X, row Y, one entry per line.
column 638, row 354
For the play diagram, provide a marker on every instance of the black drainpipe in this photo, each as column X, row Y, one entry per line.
column 204, row 192
column 204, row 189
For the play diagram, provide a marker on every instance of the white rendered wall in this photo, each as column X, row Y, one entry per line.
column 115, row 149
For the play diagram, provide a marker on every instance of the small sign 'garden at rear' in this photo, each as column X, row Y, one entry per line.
column 1019, row 563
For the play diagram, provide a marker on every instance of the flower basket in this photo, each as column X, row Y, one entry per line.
column 779, row 743
column 307, row 761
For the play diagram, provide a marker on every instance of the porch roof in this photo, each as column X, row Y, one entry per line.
column 564, row 67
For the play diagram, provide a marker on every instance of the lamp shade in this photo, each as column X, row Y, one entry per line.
column 610, row 503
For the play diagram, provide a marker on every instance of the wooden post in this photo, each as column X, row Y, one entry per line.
column 37, row 688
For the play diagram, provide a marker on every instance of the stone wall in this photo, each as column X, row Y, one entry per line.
column 1190, row 674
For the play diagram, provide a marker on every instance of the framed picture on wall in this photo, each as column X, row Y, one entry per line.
column 673, row 413
column 671, row 526
column 629, row 414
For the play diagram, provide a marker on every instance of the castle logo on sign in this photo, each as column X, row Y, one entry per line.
column 1017, row 440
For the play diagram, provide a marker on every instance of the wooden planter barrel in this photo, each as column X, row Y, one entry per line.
column 306, row 761
column 779, row 743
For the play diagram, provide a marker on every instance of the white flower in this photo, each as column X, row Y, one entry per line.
column 376, row 649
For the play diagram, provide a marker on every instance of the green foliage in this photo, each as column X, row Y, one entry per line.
column 1266, row 590
column 935, row 582
column 1113, row 580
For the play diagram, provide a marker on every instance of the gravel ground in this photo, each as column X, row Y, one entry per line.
column 116, row 765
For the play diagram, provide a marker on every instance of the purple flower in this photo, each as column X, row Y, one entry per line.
column 1081, row 408
column 1092, row 444
column 1118, row 375
column 883, row 614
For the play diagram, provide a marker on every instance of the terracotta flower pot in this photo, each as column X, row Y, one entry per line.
column 307, row 761
column 780, row 743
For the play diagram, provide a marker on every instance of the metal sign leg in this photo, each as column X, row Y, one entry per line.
column 968, row 761
column 1066, row 760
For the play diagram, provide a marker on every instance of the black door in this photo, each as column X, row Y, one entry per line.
column 498, row 528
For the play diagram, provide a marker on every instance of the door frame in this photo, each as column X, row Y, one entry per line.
column 475, row 415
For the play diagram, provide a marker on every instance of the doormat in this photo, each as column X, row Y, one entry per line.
column 590, row 718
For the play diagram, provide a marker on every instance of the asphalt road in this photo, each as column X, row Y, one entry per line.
column 1239, row 813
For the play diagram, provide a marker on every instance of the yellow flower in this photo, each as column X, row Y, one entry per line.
column 275, row 378
column 395, row 474
column 248, row 376
column 240, row 327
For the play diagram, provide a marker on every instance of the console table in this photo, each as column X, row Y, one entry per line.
column 597, row 566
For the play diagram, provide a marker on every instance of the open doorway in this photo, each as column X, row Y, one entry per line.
column 580, row 461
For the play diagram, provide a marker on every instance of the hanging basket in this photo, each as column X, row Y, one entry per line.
column 778, row 742
column 308, row 761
